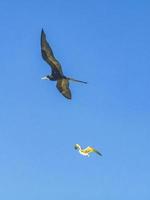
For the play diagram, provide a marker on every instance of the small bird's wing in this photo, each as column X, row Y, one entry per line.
column 48, row 55
column 91, row 149
column 63, row 87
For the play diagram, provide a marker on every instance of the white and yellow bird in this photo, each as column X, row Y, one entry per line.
column 86, row 151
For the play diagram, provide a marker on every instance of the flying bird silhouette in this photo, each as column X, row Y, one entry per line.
column 86, row 151
column 56, row 70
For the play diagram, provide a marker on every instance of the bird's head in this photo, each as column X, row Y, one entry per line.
column 77, row 146
column 46, row 77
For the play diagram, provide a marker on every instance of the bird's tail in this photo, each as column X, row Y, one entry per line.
column 72, row 79
column 97, row 152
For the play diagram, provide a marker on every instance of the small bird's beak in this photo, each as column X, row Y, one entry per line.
column 44, row 78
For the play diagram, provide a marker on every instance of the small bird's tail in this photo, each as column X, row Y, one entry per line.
column 97, row 152
column 71, row 79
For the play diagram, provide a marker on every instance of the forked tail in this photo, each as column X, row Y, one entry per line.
column 71, row 79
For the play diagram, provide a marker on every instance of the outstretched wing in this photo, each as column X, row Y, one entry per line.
column 63, row 87
column 91, row 149
column 48, row 55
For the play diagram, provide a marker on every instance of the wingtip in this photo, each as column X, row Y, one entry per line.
column 68, row 95
column 42, row 31
column 69, row 98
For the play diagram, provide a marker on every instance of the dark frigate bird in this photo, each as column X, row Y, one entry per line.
column 57, row 73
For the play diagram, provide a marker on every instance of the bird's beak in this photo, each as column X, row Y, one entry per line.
column 44, row 78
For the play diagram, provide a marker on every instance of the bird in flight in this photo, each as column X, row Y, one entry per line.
column 56, row 70
column 86, row 151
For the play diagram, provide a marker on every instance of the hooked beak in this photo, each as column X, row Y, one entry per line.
column 44, row 78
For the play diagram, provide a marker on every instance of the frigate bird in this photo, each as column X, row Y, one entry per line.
column 86, row 151
column 56, row 70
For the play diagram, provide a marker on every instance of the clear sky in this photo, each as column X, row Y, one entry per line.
column 106, row 43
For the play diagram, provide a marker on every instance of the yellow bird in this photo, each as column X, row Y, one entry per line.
column 86, row 151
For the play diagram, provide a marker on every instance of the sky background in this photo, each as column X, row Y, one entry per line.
column 106, row 43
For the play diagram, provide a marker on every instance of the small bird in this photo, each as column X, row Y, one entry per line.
column 57, row 73
column 86, row 151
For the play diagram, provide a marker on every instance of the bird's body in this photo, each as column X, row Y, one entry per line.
column 57, row 73
column 86, row 151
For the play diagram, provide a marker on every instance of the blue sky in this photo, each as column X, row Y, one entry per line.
column 106, row 43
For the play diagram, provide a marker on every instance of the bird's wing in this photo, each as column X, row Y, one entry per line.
column 63, row 87
column 91, row 149
column 48, row 55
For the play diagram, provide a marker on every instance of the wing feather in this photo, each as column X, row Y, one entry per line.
column 63, row 87
column 48, row 55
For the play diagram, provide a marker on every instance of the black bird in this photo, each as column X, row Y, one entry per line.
column 57, row 73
